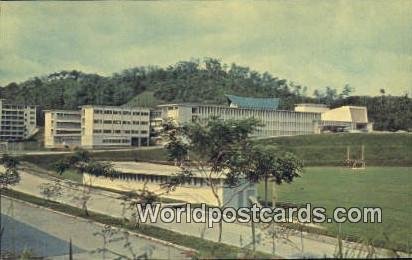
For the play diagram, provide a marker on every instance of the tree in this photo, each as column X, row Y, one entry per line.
column 141, row 198
column 347, row 91
column 318, row 95
column 223, row 154
column 82, row 162
column 50, row 190
column 270, row 166
column 9, row 174
column 191, row 81
column 330, row 95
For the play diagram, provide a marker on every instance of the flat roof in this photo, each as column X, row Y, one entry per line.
column 115, row 107
column 62, row 111
column 310, row 105
column 234, row 108
column 145, row 168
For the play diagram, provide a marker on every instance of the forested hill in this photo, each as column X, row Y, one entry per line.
column 186, row 81
column 193, row 81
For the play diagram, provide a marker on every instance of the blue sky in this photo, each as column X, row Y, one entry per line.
column 367, row 44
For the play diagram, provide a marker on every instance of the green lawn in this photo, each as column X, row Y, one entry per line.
column 381, row 149
column 387, row 187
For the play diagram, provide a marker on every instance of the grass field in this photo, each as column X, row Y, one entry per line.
column 381, row 149
column 389, row 149
column 389, row 188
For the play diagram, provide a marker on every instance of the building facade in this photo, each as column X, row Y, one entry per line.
column 312, row 108
column 107, row 126
column 275, row 122
column 136, row 176
column 18, row 122
column 62, row 128
column 346, row 118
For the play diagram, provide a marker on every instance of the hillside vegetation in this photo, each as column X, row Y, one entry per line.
column 203, row 81
column 381, row 149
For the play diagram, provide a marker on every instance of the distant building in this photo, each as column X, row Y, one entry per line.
column 312, row 108
column 275, row 122
column 346, row 118
column 108, row 126
column 137, row 175
column 18, row 122
column 62, row 128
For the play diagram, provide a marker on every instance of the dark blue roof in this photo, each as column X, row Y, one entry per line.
column 249, row 102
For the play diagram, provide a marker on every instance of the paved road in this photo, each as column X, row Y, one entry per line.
column 46, row 233
column 292, row 246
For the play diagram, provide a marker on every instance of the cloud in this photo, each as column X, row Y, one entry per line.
column 313, row 43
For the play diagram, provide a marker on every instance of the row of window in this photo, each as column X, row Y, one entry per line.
column 18, row 107
column 115, row 141
column 10, row 138
column 12, row 127
column 117, row 112
column 11, row 133
column 160, row 179
column 20, row 112
column 108, row 131
column 5, row 122
column 14, row 113
column 13, row 117
column 118, row 122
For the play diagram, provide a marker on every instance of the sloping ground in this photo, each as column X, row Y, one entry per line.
column 47, row 160
column 145, row 99
column 381, row 149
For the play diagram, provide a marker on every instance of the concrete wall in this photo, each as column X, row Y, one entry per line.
column 48, row 136
column 188, row 193
column 87, row 127
column 310, row 108
column 195, row 192
column 347, row 114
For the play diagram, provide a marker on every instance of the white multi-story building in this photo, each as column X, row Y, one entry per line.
column 18, row 122
column 275, row 122
column 305, row 119
column 62, row 128
column 105, row 126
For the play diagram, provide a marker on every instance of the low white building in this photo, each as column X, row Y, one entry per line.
column 135, row 176
column 346, row 118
